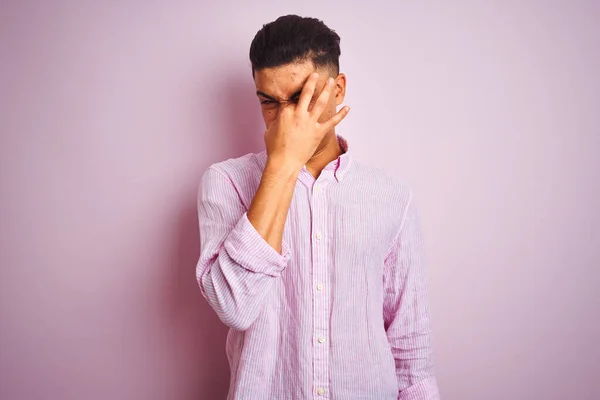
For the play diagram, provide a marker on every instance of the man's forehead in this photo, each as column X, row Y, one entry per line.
column 283, row 81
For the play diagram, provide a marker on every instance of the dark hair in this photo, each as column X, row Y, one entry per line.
column 291, row 39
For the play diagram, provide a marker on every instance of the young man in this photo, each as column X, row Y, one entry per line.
column 313, row 259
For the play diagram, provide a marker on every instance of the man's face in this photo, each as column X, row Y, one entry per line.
column 278, row 86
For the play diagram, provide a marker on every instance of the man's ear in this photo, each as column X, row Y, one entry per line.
column 340, row 89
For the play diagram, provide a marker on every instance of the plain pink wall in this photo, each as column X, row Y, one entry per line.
column 109, row 113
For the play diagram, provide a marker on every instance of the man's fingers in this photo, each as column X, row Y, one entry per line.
column 307, row 92
column 336, row 119
column 322, row 100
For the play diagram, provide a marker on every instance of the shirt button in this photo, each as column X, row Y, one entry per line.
column 320, row 391
column 319, row 235
column 321, row 339
column 319, row 287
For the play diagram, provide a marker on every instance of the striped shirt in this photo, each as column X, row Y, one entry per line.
column 342, row 313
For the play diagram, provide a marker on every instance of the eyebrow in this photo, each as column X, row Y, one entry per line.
column 266, row 96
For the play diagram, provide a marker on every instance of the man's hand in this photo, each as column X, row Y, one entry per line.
column 292, row 138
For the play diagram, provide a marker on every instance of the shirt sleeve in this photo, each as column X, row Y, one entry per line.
column 237, row 267
column 406, row 311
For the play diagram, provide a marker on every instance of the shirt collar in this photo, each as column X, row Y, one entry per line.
column 340, row 165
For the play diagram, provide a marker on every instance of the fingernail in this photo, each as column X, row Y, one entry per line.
column 315, row 75
column 329, row 81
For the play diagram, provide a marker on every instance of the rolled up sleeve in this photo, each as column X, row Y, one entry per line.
column 237, row 267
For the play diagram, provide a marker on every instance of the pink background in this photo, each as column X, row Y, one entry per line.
column 109, row 113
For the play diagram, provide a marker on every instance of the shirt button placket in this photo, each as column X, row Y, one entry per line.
column 320, row 292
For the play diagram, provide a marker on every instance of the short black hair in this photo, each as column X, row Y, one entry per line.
column 291, row 39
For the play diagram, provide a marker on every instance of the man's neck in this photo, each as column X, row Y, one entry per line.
column 328, row 150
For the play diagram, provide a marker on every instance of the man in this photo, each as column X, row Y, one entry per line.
column 313, row 259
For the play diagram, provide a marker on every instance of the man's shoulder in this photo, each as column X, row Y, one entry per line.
column 388, row 196
column 240, row 174
column 380, row 180
column 243, row 166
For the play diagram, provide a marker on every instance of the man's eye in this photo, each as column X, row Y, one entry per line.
column 268, row 103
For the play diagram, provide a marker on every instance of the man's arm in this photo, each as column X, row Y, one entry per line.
column 240, row 251
column 238, row 265
column 271, row 204
column 406, row 311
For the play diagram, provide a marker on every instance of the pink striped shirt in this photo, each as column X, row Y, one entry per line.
column 343, row 312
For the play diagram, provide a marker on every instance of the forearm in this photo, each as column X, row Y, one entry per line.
column 269, row 208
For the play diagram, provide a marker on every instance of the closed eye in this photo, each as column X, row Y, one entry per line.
column 269, row 104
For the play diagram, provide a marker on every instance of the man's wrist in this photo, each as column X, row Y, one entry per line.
column 281, row 170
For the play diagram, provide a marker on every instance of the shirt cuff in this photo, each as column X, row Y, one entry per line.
column 426, row 389
column 247, row 248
